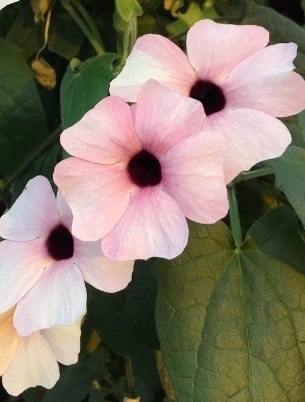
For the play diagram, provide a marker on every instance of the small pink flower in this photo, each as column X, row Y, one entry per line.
column 27, row 361
column 43, row 267
column 241, row 83
column 138, row 172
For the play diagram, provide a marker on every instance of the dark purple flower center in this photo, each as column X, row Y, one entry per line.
column 60, row 244
column 144, row 169
column 210, row 95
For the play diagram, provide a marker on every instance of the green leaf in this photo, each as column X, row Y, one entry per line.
column 125, row 320
column 289, row 170
column 185, row 20
column 76, row 380
column 128, row 8
column 25, row 33
column 22, row 122
column 231, row 321
column 44, row 165
column 281, row 28
column 65, row 36
column 96, row 396
column 82, row 87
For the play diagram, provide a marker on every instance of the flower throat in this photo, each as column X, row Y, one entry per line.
column 210, row 95
column 60, row 243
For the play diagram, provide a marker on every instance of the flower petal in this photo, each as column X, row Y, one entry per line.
column 97, row 194
column 64, row 341
column 149, row 208
column 58, row 298
column 33, row 364
column 8, row 339
column 164, row 117
column 265, row 82
column 153, row 56
column 215, row 49
column 5, row 3
column 104, row 135
column 21, row 265
column 103, row 274
column 253, row 137
column 193, row 174
column 33, row 213
column 64, row 210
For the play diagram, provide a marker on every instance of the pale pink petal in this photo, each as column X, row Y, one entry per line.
column 64, row 341
column 58, row 298
column 104, row 135
column 164, row 117
column 33, row 213
column 265, row 82
column 5, row 3
column 21, row 265
column 193, row 174
column 153, row 56
column 215, row 49
column 103, row 274
column 253, row 137
column 33, row 364
column 8, row 339
column 152, row 226
column 64, row 211
column 97, row 194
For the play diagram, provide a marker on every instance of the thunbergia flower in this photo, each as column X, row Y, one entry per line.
column 242, row 84
column 43, row 266
column 28, row 361
column 4, row 3
column 138, row 172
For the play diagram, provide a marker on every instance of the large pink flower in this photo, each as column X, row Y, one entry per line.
column 27, row 361
column 241, row 83
column 43, row 267
column 139, row 171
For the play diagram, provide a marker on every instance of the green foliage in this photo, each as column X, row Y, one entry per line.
column 289, row 177
column 22, row 121
column 76, row 381
column 125, row 320
column 230, row 321
column 65, row 36
column 83, row 86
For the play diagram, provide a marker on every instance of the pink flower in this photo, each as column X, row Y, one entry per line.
column 27, row 361
column 138, row 172
column 43, row 267
column 241, row 83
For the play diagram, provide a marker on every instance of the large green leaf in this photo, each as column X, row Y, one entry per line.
column 75, row 381
column 231, row 322
column 22, row 121
column 289, row 170
column 281, row 28
column 83, row 86
column 125, row 320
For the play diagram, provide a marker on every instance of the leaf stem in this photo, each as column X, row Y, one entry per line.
column 32, row 158
column 94, row 40
column 234, row 216
column 243, row 176
column 129, row 377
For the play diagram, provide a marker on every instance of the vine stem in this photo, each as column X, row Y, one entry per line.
column 95, row 41
column 234, row 216
column 129, row 377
